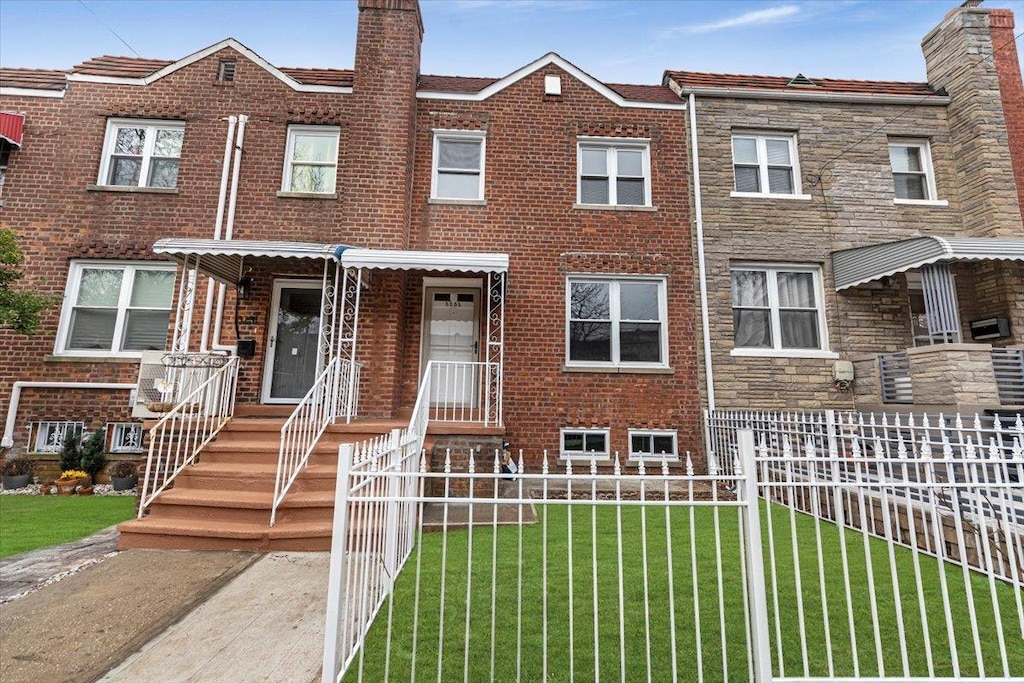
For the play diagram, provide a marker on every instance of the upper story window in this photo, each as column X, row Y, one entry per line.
column 616, row 322
column 115, row 308
column 311, row 159
column 912, row 169
column 765, row 164
column 614, row 172
column 142, row 153
column 777, row 308
column 458, row 168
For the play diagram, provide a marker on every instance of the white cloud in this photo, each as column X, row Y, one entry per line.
column 770, row 15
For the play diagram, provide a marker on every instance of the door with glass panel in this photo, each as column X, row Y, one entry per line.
column 452, row 335
column 293, row 345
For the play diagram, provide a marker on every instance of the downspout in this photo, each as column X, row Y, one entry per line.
column 229, row 231
column 218, row 228
column 12, row 409
column 699, row 224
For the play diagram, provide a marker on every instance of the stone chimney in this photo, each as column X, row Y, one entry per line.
column 972, row 55
column 382, row 121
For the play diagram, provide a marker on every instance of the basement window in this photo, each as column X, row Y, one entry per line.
column 585, row 444
column 656, row 445
column 124, row 437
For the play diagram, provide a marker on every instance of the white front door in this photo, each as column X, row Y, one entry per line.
column 293, row 341
column 452, row 333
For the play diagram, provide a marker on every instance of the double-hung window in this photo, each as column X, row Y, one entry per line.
column 142, row 153
column 912, row 175
column 614, row 172
column 115, row 308
column 311, row 160
column 656, row 444
column 765, row 164
column 617, row 322
column 458, row 169
column 586, row 444
column 777, row 308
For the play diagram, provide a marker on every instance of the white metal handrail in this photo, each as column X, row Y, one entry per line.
column 459, row 392
column 176, row 439
column 304, row 427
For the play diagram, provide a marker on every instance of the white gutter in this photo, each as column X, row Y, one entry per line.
column 229, row 231
column 12, row 410
column 218, row 228
column 699, row 223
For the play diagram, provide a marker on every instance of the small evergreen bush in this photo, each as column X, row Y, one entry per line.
column 70, row 452
column 94, row 457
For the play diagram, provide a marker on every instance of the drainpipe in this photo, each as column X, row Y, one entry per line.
column 229, row 231
column 699, row 221
column 218, row 227
column 12, row 410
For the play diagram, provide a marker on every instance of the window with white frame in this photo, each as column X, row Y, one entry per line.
column 115, row 308
column 588, row 444
column 777, row 307
column 311, row 159
column 765, row 164
column 614, row 172
column 657, row 444
column 49, row 435
column 142, row 153
column 616, row 321
column 458, row 168
column 912, row 175
column 125, row 437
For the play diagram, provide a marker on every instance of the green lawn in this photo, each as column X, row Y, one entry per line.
column 572, row 657
column 31, row 522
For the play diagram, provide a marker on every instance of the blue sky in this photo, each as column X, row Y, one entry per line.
column 631, row 41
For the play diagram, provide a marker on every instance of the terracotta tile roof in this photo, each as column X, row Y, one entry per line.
column 120, row 67
column 37, row 79
column 656, row 94
column 335, row 77
column 693, row 79
column 459, row 84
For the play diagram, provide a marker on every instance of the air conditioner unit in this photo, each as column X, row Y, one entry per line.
column 990, row 328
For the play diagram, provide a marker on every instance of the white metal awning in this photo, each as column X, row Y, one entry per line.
column 222, row 259
column 393, row 259
column 852, row 267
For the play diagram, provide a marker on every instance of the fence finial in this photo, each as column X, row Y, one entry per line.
column 618, row 465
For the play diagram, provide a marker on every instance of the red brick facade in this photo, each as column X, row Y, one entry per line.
column 1011, row 90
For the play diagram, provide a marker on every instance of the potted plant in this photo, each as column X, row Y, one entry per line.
column 17, row 472
column 124, row 475
column 69, row 480
column 94, row 457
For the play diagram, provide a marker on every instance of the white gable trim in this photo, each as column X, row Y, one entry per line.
column 31, row 92
column 203, row 54
column 547, row 60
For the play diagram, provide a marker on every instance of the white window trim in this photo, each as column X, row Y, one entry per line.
column 925, row 146
column 655, row 457
column 614, row 303
column 461, row 135
column 776, row 350
column 71, row 295
column 319, row 131
column 609, row 144
column 762, row 164
column 110, row 141
column 585, row 456
column 117, row 429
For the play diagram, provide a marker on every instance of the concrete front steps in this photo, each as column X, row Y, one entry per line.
column 223, row 501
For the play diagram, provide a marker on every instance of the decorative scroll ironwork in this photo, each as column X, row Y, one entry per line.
column 186, row 303
column 495, row 344
column 328, row 300
column 348, row 331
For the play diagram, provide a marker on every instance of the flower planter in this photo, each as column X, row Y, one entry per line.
column 16, row 481
column 85, row 490
column 65, row 487
column 124, row 483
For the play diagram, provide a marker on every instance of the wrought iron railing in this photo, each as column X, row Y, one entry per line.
column 894, row 369
column 1008, row 365
column 176, row 439
column 462, row 392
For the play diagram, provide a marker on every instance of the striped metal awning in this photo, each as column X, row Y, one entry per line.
column 12, row 127
column 222, row 259
column 852, row 267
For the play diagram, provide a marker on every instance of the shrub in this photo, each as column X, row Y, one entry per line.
column 122, row 469
column 94, row 457
column 70, row 452
column 16, row 467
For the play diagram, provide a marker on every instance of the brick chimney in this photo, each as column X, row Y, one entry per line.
column 381, row 134
column 972, row 55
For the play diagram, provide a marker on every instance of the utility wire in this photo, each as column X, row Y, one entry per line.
column 108, row 27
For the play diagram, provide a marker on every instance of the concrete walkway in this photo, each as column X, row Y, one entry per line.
column 160, row 616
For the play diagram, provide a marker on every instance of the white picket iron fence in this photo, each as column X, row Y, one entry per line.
column 794, row 563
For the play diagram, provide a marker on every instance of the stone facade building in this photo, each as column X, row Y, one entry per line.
column 872, row 224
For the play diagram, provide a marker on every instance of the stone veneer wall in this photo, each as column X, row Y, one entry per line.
column 958, row 374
